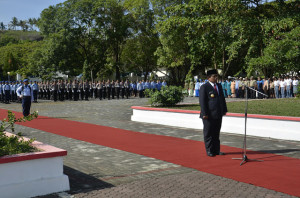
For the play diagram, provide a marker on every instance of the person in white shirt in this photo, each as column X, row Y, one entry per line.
column 276, row 87
column 295, row 85
column 25, row 93
column 282, row 86
column 288, row 86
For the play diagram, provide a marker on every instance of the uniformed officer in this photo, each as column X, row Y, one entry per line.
column 75, row 90
column 117, row 85
column 6, row 92
column 126, row 85
column 25, row 93
column 35, row 89
column 140, row 89
column 48, row 90
column 13, row 91
column 86, row 88
column 99, row 89
column 81, row 90
column 113, row 89
column 108, row 89
column 54, row 89
column 104, row 89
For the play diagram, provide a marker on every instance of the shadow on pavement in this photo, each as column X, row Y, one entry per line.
column 81, row 182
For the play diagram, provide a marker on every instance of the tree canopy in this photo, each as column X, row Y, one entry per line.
column 105, row 38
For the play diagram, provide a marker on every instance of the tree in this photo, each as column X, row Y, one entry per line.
column 14, row 22
column 115, row 21
column 2, row 26
column 138, row 51
column 75, row 41
column 23, row 25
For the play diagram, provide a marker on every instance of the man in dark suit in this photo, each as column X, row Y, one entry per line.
column 213, row 108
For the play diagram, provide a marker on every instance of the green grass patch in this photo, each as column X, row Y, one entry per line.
column 279, row 107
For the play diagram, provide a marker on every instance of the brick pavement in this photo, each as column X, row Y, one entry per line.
column 97, row 171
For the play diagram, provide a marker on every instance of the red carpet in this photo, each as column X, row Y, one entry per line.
column 276, row 172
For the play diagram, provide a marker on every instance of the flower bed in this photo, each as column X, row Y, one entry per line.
column 33, row 174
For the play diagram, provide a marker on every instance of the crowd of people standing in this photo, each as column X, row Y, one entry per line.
column 60, row 90
column 282, row 87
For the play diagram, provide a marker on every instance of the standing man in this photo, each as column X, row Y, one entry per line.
column 25, row 93
column 35, row 89
column 213, row 108
column 6, row 91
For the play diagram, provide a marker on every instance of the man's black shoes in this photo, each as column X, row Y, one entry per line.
column 210, row 154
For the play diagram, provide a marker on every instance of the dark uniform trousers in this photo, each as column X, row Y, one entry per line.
column 7, row 96
column 35, row 94
column 100, row 94
column 113, row 91
column 86, row 94
column 55, row 95
column 26, row 104
column 118, row 92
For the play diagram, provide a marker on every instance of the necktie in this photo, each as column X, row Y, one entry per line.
column 215, row 87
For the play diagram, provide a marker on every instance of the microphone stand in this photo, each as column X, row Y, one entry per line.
column 245, row 158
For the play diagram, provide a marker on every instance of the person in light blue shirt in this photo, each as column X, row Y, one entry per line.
column 35, row 89
column 140, row 89
column 158, row 85
column 134, row 88
column 6, row 92
column 164, row 83
column 13, row 91
column 25, row 93
column 237, row 82
column 197, row 88
column 153, row 85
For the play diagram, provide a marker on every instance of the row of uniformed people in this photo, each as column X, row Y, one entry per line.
column 75, row 90
column 8, row 91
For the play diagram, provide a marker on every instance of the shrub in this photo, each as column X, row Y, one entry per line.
column 167, row 96
column 14, row 144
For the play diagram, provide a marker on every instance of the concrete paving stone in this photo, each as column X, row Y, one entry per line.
column 98, row 171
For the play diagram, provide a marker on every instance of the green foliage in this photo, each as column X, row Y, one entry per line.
column 15, row 144
column 14, row 36
column 16, row 58
column 167, row 96
column 103, row 37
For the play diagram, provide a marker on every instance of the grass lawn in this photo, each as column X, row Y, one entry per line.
column 280, row 107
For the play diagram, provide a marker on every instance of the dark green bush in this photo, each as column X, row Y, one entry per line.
column 14, row 144
column 167, row 96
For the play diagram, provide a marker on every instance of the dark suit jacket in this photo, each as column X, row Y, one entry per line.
column 212, row 104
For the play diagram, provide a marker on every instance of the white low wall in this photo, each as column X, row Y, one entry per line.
column 33, row 174
column 271, row 128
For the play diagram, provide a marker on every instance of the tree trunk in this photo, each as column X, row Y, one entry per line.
column 215, row 62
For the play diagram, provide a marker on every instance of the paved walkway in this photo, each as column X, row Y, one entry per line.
column 98, row 171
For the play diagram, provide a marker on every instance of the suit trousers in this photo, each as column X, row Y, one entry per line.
column 211, row 133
